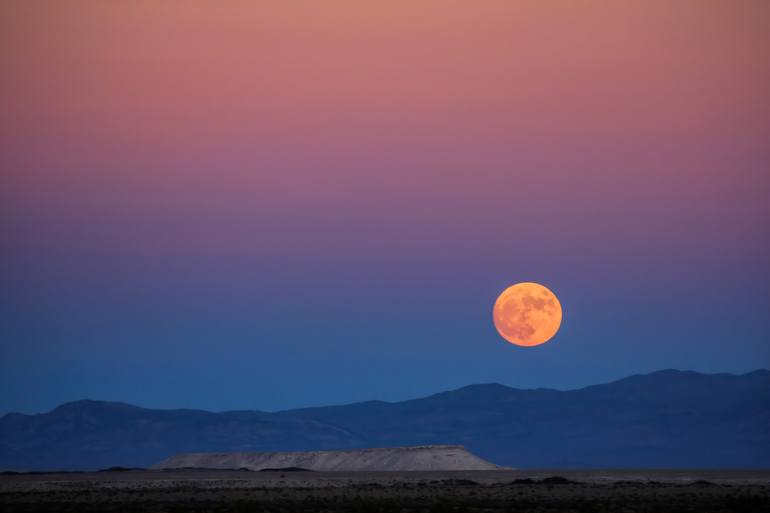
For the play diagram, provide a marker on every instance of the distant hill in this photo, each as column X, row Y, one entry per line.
column 664, row 419
column 423, row 457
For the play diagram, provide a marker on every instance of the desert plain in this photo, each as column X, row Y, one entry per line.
column 492, row 491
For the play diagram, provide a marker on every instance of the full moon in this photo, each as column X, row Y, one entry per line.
column 527, row 314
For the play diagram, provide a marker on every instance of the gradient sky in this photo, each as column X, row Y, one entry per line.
column 237, row 204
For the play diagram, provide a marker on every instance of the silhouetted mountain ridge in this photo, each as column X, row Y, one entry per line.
column 667, row 418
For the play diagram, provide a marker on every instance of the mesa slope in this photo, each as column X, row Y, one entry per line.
column 429, row 457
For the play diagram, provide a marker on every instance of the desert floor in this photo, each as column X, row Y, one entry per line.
column 622, row 491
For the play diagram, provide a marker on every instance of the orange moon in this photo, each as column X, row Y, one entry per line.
column 527, row 314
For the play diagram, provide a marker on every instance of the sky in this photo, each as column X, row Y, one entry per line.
column 266, row 205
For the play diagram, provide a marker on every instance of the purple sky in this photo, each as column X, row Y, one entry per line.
column 225, row 205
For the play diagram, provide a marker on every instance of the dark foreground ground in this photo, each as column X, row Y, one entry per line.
column 622, row 491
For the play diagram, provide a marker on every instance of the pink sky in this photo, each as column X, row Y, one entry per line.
column 369, row 150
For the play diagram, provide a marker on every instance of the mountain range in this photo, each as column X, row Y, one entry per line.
column 664, row 419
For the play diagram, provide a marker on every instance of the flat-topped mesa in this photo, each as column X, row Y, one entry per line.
column 425, row 457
